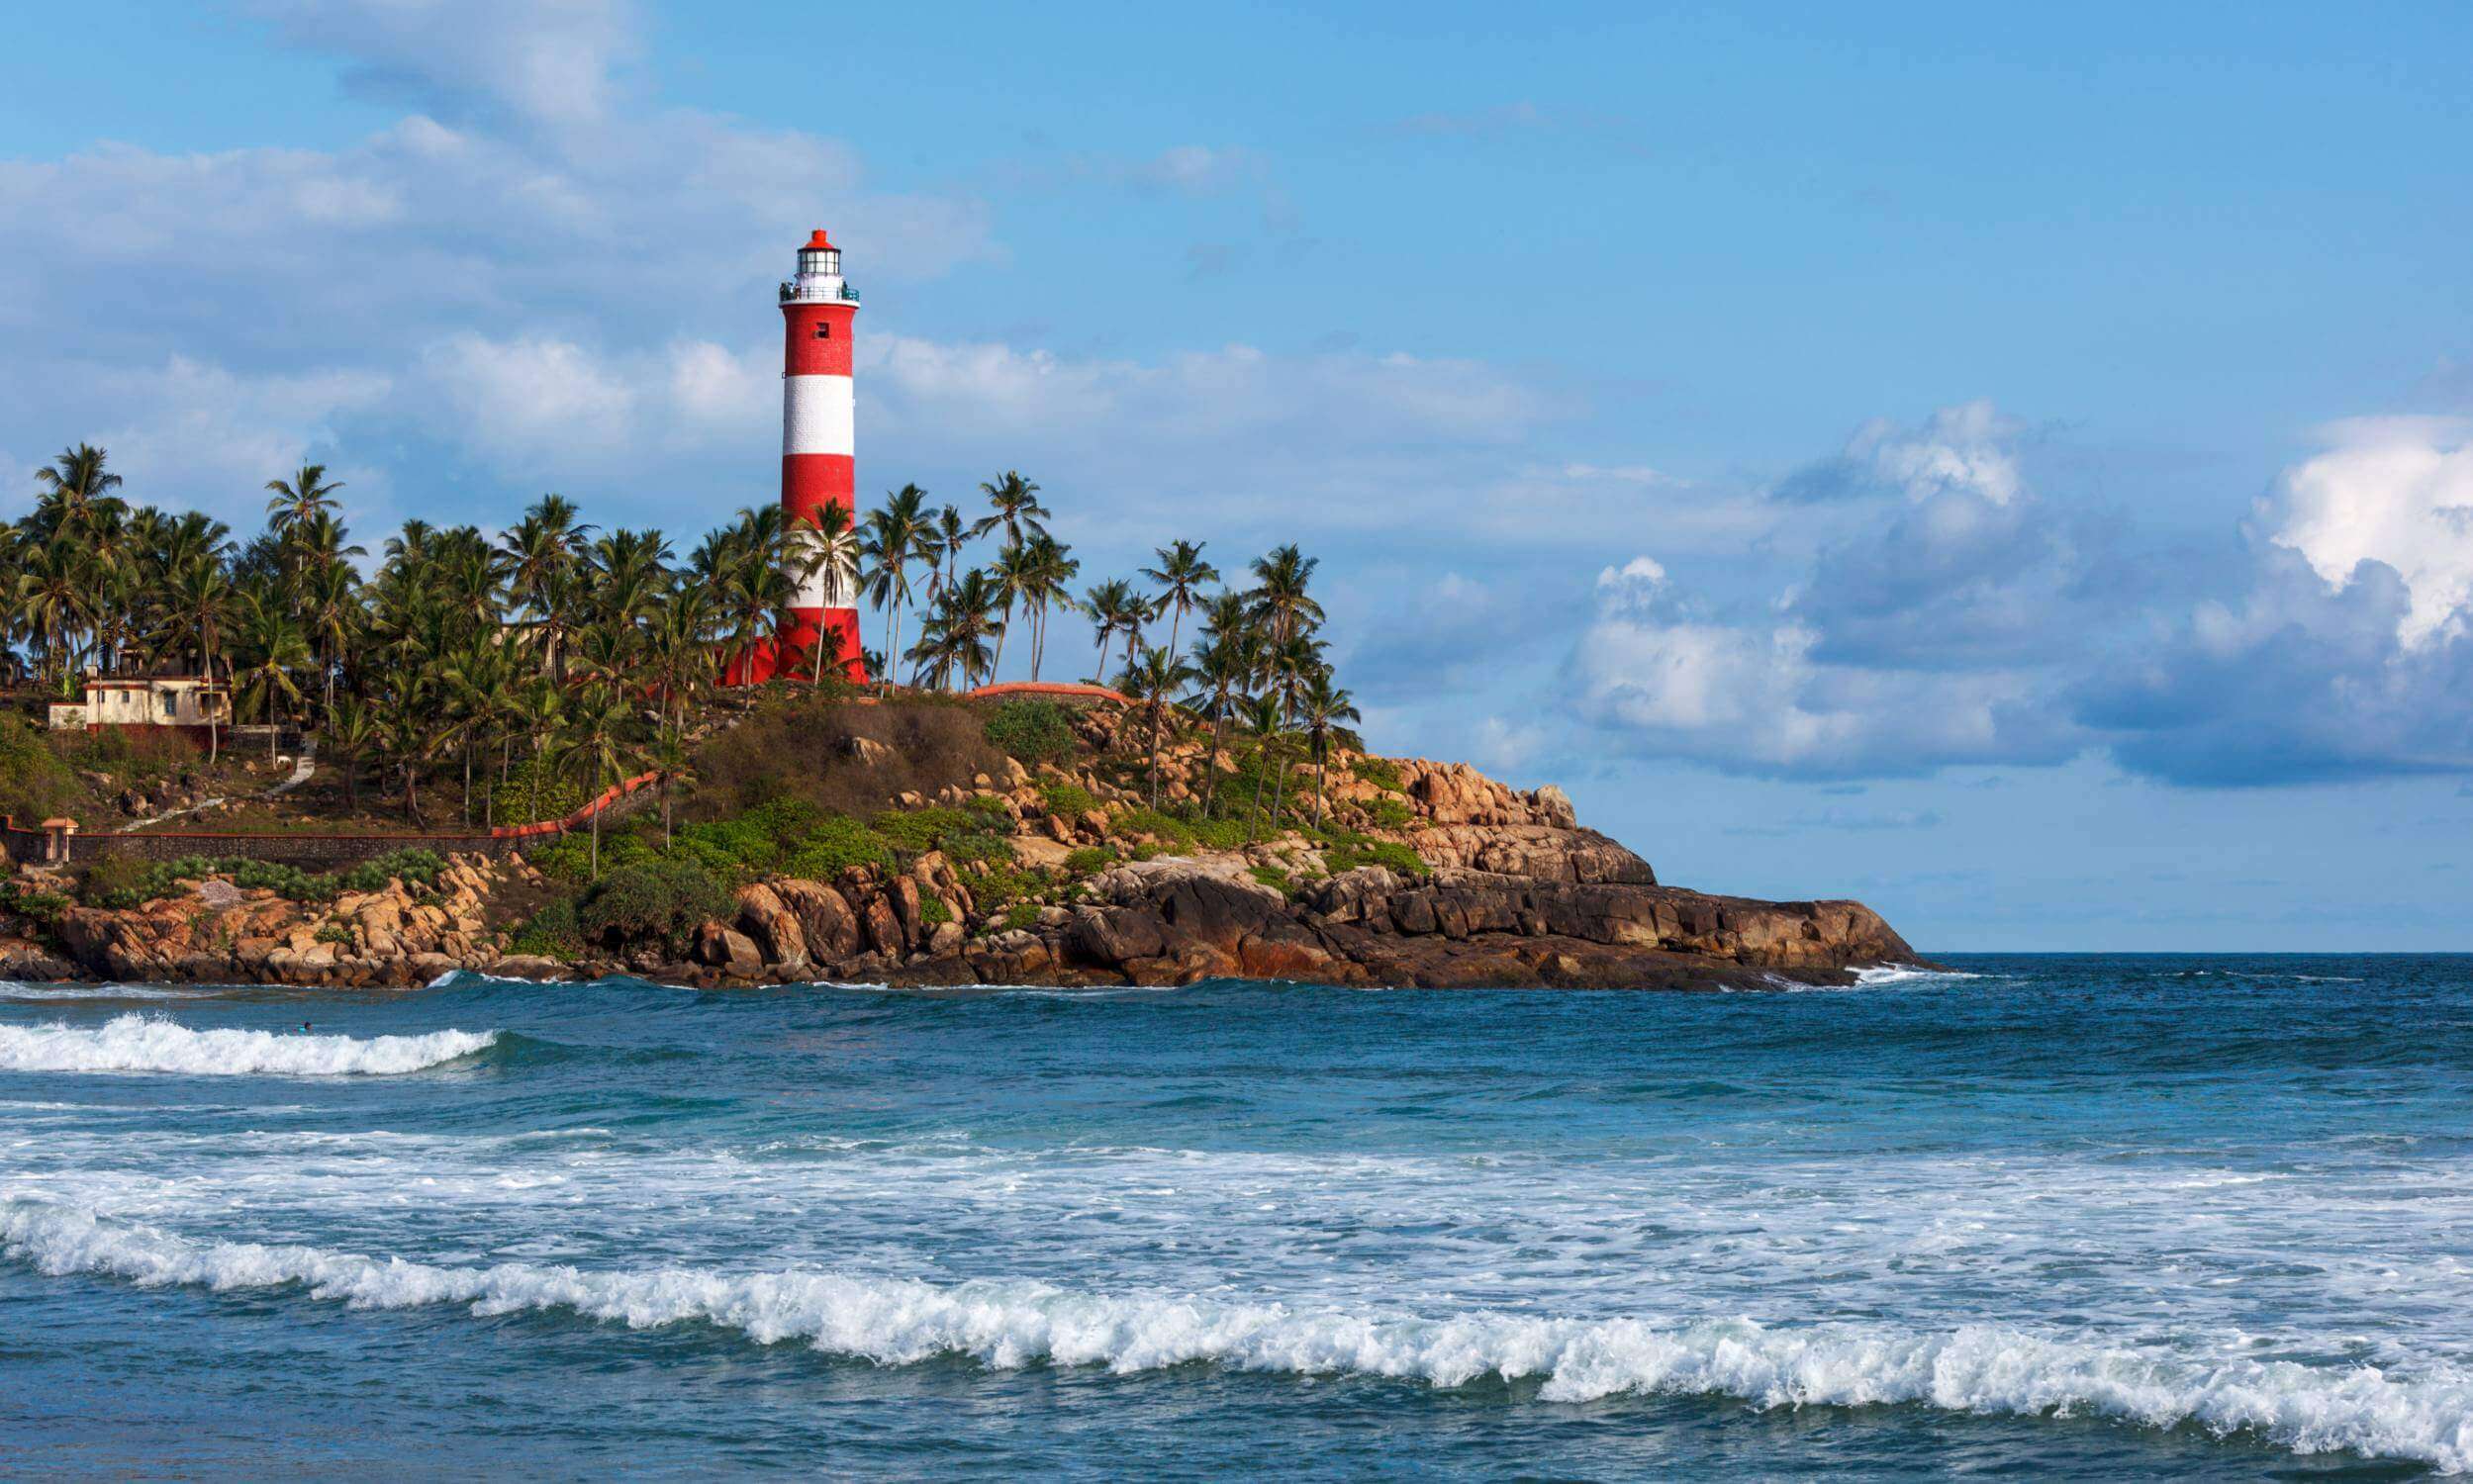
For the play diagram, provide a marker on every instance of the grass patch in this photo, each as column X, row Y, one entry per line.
column 1269, row 875
column 1390, row 813
column 1382, row 773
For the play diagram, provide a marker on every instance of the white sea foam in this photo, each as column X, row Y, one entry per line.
column 141, row 1043
column 1883, row 975
column 12, row 989
column 1979, row 1368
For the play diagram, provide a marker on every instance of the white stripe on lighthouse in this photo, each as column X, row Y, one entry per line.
column 818, row 415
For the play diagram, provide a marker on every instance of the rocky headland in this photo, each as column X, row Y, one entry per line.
column 1440, row 877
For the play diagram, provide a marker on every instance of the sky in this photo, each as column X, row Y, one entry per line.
column 2016, row 469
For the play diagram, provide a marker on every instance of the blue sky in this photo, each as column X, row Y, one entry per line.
column 2011, row 468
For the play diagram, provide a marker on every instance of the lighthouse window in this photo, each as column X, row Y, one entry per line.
column 823, row 329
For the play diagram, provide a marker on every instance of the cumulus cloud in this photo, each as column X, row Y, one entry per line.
column 1666, row 675
column 1960, row 615
column 2397, row 491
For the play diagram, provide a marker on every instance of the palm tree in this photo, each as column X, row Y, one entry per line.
column 1111, row 606
column 897, row 535
column 601, row 726
column 1015, row 573
column 298, row 500
column 1224, row 664
column 73, row 487
column 827, row 543
column 55, row 599
column 1153, row 681
column 675, row 765
column 1016, row 501
column 1184, row 573
column 352, row 729
column 1052, row 568
column 276, row 647
column 1262, row 718
column 204, row 602
column 1323, row 708
column 1280, row 595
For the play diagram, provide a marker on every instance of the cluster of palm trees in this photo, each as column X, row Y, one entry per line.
column 1257, row 659
column 583, row 652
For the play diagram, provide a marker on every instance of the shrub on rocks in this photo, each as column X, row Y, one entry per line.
column 661, row 902
column 1032, row 731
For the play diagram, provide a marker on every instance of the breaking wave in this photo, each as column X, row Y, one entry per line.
column 1977, row 1368
column 141, row 1042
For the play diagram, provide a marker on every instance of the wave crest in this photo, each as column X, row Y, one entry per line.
column 141, row 1042
column 1987, row 1369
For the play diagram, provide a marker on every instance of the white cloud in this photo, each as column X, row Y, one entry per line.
column 2391, row 490
column 548, row 61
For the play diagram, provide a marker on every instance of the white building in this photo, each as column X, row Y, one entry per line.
column 163, row 700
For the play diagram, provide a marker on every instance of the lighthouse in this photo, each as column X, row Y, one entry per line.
column 817, row 426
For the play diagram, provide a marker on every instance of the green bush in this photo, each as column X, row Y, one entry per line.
column 35, row 784
column 1382, row 773
column 1392, row 814
column 1033, row 731
column 1090, row 859
column 534, row 789
column 933, row 912
column 122, row 883
column 39, row 906
column 1167, row 827
column 1072, row 800
column 661, row 902
column 917, row 831
column 1390, row 853
column 838, row 843
column 113, row 876
column 562, row 857
column 1003, row 885
column 1020, row 915
column 550, row 932
column 1269, row 875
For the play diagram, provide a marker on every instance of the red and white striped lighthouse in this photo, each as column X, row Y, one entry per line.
column 818, row 448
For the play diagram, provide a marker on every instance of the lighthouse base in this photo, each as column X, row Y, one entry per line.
column 790, row 654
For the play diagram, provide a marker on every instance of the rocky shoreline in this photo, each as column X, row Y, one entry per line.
column 1510, row 891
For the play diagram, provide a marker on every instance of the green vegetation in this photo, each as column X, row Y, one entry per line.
column 1067, row 801
column 43, row 908
column 551, row 933
column 1021, row 916
column 661, row 901
column 1032, row 731
column 1390, row 813
column 35, row 784
column 1269, row 875
column 1382, row 773
column 933, row 912
column 1090, row 859
column 111, row 883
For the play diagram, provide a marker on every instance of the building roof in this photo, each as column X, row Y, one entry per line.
column 820, row 243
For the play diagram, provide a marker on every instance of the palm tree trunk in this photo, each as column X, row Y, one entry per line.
column 1210, row 764
column 1279, row 788
column 1322, row 787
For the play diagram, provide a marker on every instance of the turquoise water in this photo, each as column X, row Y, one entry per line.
column 2203, row 1216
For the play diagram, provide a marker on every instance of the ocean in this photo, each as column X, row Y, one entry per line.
column 2155, row 1217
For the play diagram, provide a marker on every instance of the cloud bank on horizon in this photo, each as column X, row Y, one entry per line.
column 539, row 276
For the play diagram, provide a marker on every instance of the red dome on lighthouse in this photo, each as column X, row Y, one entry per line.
column 819, row 242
